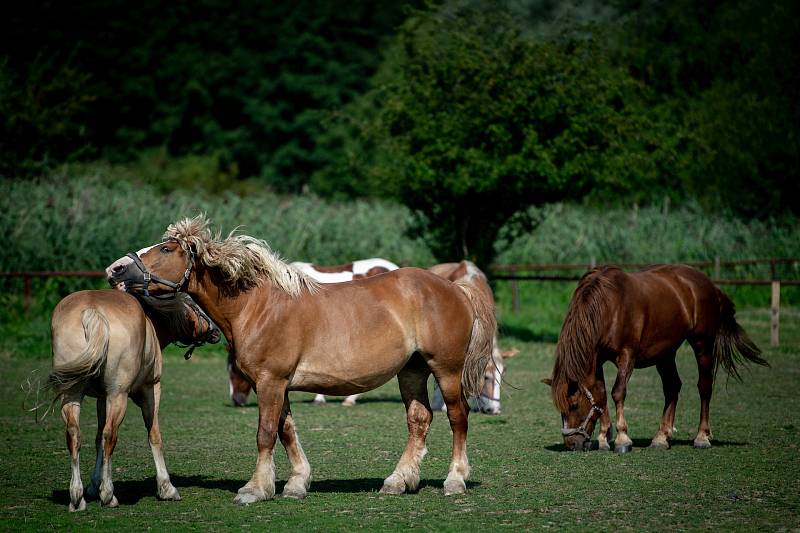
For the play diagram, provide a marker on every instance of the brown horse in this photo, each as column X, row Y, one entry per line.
column 363, row 268
column 635, row 321
column 106, row 346
column 287, row 334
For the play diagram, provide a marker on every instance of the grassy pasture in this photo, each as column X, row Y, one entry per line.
column 521, row 477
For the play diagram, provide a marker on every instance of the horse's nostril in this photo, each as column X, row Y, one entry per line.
column 119, row 268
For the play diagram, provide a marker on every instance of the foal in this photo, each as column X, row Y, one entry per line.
column 105, row 345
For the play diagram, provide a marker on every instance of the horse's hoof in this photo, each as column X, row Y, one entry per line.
column 169, row 493
column 348, row 403
column 319, row 400
column 625, row 448
column 393, row 484
column 454, row 486
column 112, row 503
column 660, row 444
column 81, row 506
column 249, row 496
column 603, row 447
column 702, row 444
column 295, row 490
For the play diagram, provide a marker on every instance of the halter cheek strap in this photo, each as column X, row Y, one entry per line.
column 581, row 430
column 148, row 276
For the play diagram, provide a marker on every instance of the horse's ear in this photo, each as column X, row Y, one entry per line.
column 548, row 382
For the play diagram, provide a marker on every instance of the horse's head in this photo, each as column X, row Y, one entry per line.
column 579, row 413
column 157, row 269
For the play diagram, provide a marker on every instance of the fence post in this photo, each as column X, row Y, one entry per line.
column 716, row 267
column 26, row 291
column 514, row 291
column 592, row 263
column 774, row 330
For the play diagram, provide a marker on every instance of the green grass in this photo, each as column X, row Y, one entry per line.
column 521, row 477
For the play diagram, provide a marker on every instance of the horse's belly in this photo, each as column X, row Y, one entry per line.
column 346, row 376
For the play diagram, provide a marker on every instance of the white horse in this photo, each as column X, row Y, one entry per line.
column 104, row 345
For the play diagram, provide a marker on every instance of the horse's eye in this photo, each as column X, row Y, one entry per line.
column 165, row 249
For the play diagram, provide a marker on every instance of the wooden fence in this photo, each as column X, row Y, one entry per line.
column 530, row 272
column 523, row 272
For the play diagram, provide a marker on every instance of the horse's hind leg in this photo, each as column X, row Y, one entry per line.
column 149, row 400
column 671, row 384
column 299, row 481
column 97, row 473
column 703, row 351
column 413, row 382
column 70, row 412
column 457, row 412
column 115, row 412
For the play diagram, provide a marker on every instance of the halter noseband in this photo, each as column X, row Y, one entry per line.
column 581, row 430
column 148, row 276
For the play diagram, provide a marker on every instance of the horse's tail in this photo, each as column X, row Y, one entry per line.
column 732, row 344
column 87, row 364
column 481, row 341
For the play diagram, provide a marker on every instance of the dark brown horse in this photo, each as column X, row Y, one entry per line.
column 635, row 321
column 287, row 334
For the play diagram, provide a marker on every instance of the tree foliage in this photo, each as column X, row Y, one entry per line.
column 470, row 121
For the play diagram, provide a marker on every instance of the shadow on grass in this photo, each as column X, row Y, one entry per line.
column 131, row 492
column 645, row 443
column 526, row 334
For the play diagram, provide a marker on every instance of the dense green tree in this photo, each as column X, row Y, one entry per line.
column 248, row 81
column 470, row 122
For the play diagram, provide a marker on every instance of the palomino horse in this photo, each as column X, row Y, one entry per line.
column 489, row 399
column 287, row 334
column 104, row 345
column 363, row 268
column 635, row 321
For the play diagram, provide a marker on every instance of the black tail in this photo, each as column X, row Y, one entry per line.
column 732, row 344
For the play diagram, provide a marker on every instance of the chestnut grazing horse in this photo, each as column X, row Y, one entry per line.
column 291, row 333
column 489, row 399
column 363, row 268
column 635, row 321
column 107, row 345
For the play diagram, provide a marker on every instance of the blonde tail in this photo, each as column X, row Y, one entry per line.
column 481, row 342
column 88, row 363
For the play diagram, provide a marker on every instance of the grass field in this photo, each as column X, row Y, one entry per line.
column 521, row 476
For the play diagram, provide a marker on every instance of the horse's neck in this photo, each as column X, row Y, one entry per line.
column 229, row 311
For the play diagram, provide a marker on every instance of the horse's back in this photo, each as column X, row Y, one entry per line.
column 661, row 306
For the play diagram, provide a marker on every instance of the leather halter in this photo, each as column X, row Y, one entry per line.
column 210, row 329
column 148, row 276
column 581, row 430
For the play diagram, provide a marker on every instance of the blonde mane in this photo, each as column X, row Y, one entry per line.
column 241, row 261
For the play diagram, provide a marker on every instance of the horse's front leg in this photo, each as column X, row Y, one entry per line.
column 70, row 412
column 605, row 419
column 271, row 392
column 148, row 400
column 625, row 363
column 299, row 481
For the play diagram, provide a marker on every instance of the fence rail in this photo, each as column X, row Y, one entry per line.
column 522, row 272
